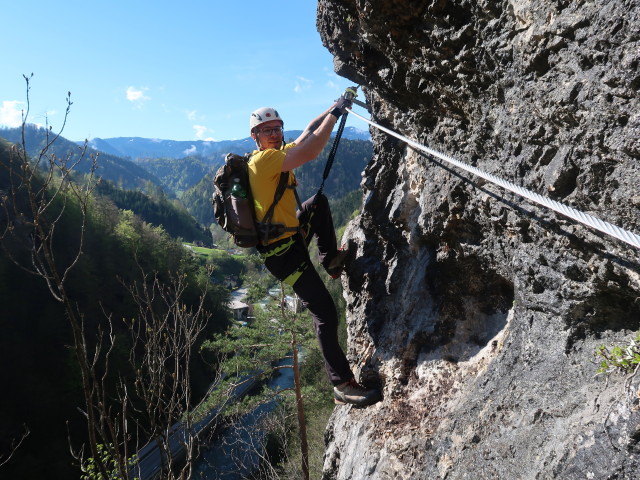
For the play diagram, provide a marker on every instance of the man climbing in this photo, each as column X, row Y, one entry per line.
column 286, row 256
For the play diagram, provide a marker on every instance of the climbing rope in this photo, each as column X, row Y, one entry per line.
column 584, row 218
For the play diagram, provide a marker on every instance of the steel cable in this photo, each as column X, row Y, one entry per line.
column 584, row 218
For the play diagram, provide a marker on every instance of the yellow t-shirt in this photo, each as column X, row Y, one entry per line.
column 265, row 167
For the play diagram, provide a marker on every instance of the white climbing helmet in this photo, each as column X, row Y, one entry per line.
column 262, row 115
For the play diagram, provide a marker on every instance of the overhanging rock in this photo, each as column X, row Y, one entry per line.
column 479, row 313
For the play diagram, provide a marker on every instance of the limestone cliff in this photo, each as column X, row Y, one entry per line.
column 477, row 312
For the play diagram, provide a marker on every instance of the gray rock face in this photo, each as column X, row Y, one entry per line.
column 477, row 312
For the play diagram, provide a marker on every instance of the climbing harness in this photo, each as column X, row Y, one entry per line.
column 584, row 218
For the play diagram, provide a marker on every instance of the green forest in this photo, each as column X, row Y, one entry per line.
column 136, row 220
column 177, row 174
column 155, row 207
column 119, row 250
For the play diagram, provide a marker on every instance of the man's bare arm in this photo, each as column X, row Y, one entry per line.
column 313, row 125
column 313, row 142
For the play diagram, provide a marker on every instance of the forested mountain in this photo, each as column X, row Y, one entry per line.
column 351, row 158
column 177, row 174
column 345, row 175
column 40, row 376
column 136, row 148
column 156, row 208
column 190, row 177
column 211, row 151
column 120, row 171
column 344, row 208
column 197, row 200
column 131, row 186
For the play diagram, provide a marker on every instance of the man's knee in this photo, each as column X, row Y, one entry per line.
column 322, row 200
column 317, row 201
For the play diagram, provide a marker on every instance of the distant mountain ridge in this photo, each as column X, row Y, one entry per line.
column 137, row 147
column 112, row 167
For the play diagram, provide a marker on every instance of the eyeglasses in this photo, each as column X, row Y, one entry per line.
column 271, row 131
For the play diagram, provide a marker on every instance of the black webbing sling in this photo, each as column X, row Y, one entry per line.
column 332, row 152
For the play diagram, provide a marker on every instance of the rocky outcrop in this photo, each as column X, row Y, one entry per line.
column 477, row 312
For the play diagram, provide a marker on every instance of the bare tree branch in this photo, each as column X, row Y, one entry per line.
column 15, row 444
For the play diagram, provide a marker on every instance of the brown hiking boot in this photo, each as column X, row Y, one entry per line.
column 355, row 394
column 337, row 263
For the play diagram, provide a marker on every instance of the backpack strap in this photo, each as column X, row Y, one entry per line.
column 265, row 227
column 295, row 192
column 282, row 185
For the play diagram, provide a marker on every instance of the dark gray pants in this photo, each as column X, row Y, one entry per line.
column 315, row 220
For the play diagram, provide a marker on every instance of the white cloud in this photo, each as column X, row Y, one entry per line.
column 192, row 115
column 190, row 150
column 201, row 130
column 11, row 113
column 334, row 80
column 302, row 84
column 332, row 85
column 137, row 95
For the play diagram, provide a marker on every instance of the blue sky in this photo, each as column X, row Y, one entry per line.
column 185, row 70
